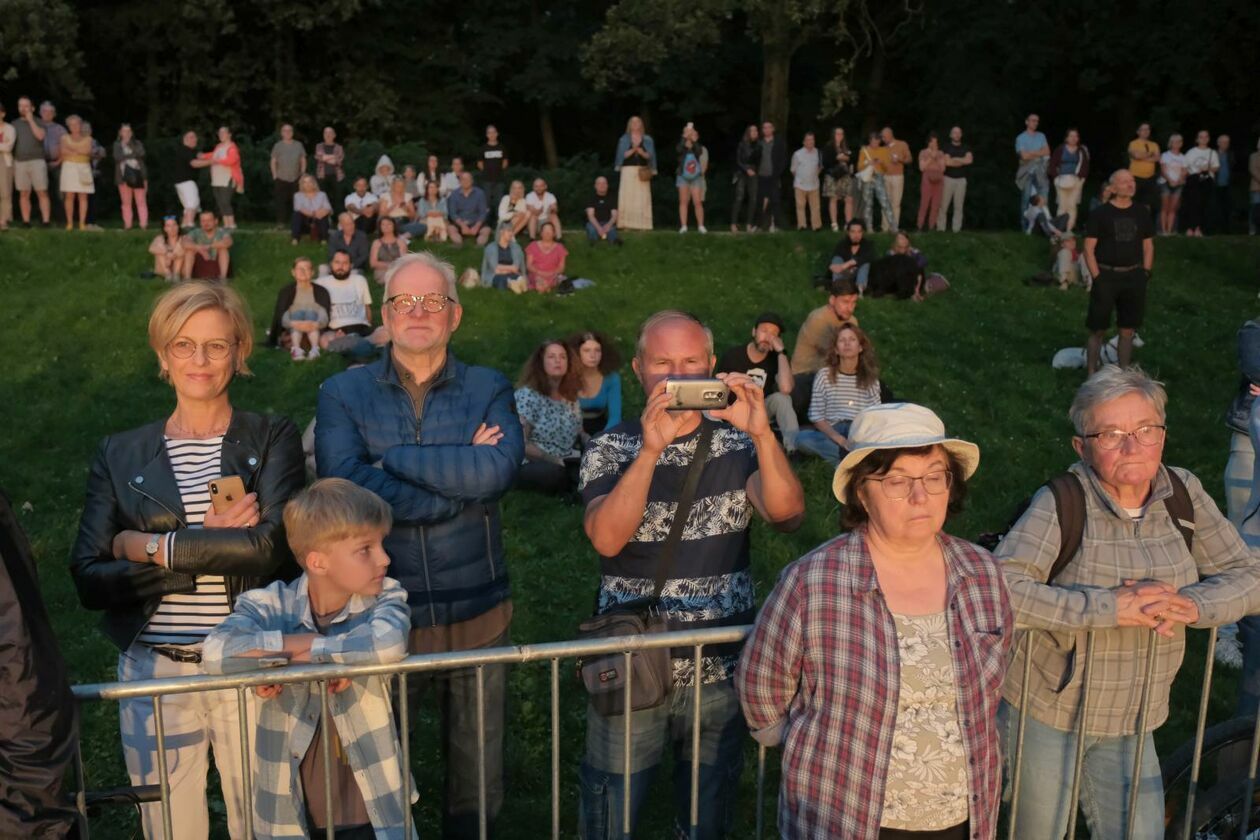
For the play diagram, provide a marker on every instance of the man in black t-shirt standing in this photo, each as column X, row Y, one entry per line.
column 958, row 160
column 1119, row 252
column 764, row 361
column 491, row 164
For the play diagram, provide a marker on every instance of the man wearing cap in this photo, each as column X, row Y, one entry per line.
column 765, row 362
column 878, row 658
column 632, row 477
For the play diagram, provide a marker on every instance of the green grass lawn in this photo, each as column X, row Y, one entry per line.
column 78, row 368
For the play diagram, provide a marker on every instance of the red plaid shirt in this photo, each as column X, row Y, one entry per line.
column 822, row 667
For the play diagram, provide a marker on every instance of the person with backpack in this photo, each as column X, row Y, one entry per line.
column 1117, row 555
column 693, row 162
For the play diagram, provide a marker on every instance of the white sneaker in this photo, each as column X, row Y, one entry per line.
column 314, row 354
column 298, row 354
column 702, row 229
column 835, row 226
column 682, row 229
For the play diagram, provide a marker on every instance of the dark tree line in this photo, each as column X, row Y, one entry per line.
column 560, row 77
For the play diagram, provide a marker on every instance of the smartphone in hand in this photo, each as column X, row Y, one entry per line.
column 225, row 492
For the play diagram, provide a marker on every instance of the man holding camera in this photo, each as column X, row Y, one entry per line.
column 632, row 478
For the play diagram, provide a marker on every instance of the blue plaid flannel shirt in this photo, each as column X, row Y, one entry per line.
column 368, row 630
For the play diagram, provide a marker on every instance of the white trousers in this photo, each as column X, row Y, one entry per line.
column 193, row 724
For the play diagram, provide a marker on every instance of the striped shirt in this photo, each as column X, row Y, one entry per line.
column 841, row 399
column 186, row 618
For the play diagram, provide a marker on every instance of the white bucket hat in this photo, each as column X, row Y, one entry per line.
column 899, row 426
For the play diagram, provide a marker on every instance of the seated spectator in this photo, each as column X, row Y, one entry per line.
column 853, row 255
column 311, row 210
column 351, row 301
column 764, row 360
column 467, row 207
column 432, row 174
column 167, row 249
column 818, row 335
column 1154, row 555
column 349, row 238
column 362, row 204
column 542, row 209
column 341, row 609
column 899, row 273
column 411, row 183
column 301, row 313
column 1037, row 218
column 398, row 206
column 387, row 248
column 383, row 176
column 600, row 394
column 546, row 400
column 207, row 250
column 512, row 208
column 451, row 180
column 431, row 211
column 503, row 263
column 897, row 629
column 848, row 384
column 545, row 260
column 601, row 214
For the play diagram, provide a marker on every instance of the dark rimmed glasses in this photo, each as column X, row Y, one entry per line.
column 898, row 487
column 432, row 303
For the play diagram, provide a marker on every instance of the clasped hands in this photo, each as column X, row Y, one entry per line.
column 1153, row 604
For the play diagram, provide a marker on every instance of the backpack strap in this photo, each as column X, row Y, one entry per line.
column 1069, row 505
column 1180, row 508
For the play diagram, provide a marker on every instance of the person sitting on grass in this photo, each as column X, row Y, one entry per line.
column 503, row 263
column 311, row 210
column 545, row 260
column 467, row 206
column 387, row 248
column 601, row 215
column 853, row 255
column 363, row 205
column 848, row 384
column 207, row 250
column 167, row 249
column 341, row 610
column 301, row 313
column 512, row 208
column 600, row 394
column 351, row 312
column 397, row 205
column 349, row 238
column 547, row 403
column 543, row 209
column 899, row 273
column 431, row 210
column 1037, row 218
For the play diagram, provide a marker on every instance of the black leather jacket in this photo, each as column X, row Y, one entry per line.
column 131, row 487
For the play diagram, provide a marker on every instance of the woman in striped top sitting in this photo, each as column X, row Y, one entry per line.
column 164, row 567
column 848, row 384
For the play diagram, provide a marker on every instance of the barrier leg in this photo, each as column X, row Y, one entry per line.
column 1017, row 755
column 404, row 721
column 555, row 749
column 695, row 747
column 1200, row 727
column 1081, row 730
column 247, row 788
column 625, row 746
column 164, row 780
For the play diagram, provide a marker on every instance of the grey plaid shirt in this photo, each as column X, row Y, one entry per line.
column 1221, row 576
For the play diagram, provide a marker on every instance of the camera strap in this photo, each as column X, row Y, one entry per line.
column 685, row 501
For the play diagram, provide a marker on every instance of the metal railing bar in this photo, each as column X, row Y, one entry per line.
column 1200, row 728
column 404, row 723
column 247, row 786
column 555, row 749
column 1082, row 728
column 695, row 746
column 1144, row 710
column 625, row 744
column 1017, row 757
column 329, row 823
column 481, row 752
column 164, row 780
column 507, row 655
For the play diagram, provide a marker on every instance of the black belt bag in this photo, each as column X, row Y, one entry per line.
column 649, row 671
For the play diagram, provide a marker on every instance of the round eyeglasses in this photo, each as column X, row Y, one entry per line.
column 901, row 486
column 1114, row 438
column 432, row 303
column 185, row 348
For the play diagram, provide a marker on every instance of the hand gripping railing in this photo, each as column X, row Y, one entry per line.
column 321, row 675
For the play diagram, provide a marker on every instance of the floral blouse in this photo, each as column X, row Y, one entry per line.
column 926, row 788
column 554, row 425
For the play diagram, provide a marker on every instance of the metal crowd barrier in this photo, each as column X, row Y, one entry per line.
column 552, row 652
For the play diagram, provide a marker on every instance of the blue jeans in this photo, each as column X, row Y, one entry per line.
column 816, row 443
column 1046, row 781
column 860, row 275
column 593, row 235
column 416, row 230
column 722, row 733
column 1249, row 626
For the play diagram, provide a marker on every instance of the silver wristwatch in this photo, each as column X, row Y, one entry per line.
column 151, row 547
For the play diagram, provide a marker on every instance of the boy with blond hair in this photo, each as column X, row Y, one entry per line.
column 342, row 610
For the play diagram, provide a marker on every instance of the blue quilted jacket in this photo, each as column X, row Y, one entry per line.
column 446, row 546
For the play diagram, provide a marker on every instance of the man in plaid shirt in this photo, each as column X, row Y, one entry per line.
column 342, row 610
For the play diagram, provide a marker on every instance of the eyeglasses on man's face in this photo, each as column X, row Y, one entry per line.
column 898, row 487
column 432, row 303
column 1114, row 438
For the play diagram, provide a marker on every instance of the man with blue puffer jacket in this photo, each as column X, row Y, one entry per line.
column 439, row 440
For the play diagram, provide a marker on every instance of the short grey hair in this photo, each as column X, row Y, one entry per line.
column 1110, row 383
column 430, row 261
column 671, row 315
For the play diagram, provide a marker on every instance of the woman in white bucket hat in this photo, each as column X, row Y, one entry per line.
column 878, row 659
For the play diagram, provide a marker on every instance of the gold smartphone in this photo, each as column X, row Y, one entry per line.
column 225, row 492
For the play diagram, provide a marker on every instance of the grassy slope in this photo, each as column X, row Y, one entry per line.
column 78, row 368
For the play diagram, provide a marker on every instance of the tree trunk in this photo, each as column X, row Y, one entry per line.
column 776, row 58
column 153, row 93
column 874, row 91
column 548, row 136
